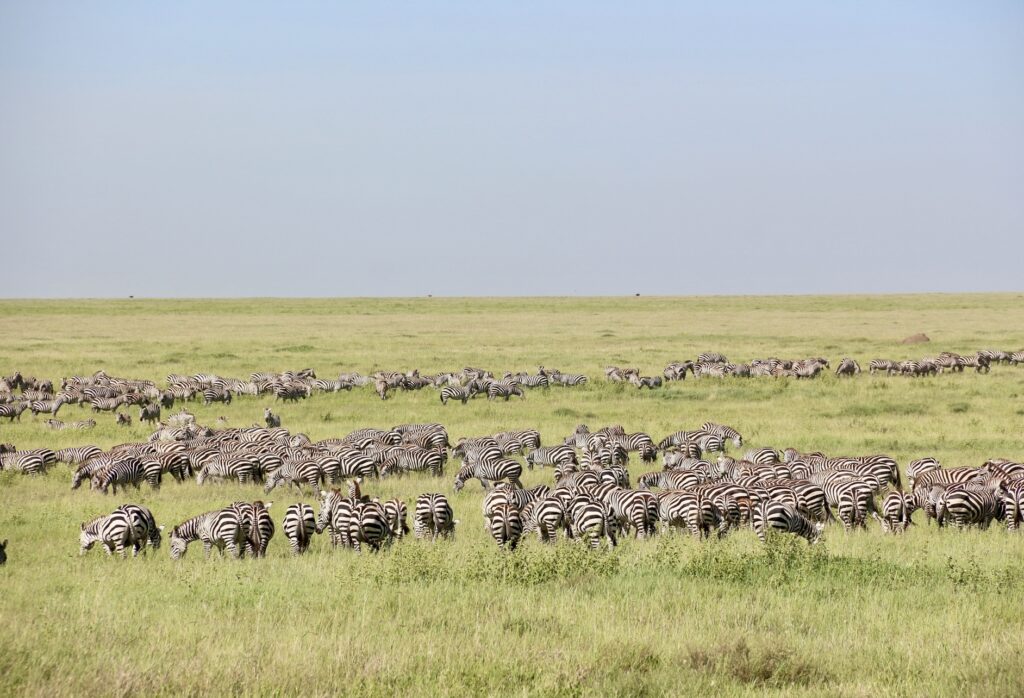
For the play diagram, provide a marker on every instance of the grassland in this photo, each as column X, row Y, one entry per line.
column 931, row 613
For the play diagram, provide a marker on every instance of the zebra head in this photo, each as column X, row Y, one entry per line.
column 178, row 545
column 201, row 476
column 273, row 480
column 86, row 540
column 819, row 527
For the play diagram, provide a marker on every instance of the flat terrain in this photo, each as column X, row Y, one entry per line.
column 929, row 613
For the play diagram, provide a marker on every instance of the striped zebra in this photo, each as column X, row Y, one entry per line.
column 336, row 513
column 114, row 531
column 58, row 425
column 296, row 473
column 221, row 529
column 548, row 516
column 964, row 505
column 129, row 471
column 212, row 395
column 726, row 432
column 917, row 468
column 679, row 509
column 369, row 526
column 632, row 508
column 144, row 528
column 529, row 438
column 456, row 392
column 550, row 455
column 763, row 456
column 712, row 357
column 506, row 526
column 676, row 371
column 490, row 471
column 567, row 379
column 227, row 468
column 257, row 525
column 896, row 510
column 12, row 411
column 76, row 455
column 532, row 381
column 1013, row 505
column 405, row 459
column 847, row 367
column 28, row 462
column 669, row 480
column 397, row 517
column 890, row 367
column 433, row 516
column 47, row 406
column 502, row 390
column 299, row 526
column 591, row 521
column 771, row 515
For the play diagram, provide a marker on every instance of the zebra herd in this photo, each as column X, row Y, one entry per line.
column 105, row 393
column 590, row 498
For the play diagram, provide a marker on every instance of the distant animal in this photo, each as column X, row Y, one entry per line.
column 124, row 420
column 3, row 552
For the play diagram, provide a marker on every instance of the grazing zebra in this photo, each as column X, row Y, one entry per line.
column 772, row 515
column 591, row 521
column 964, row 505
column 636, row 508
column 916, row 468
column 76, row 455
column 336, row 513
column 115, row 531
column 144, row 528
column 528, row 438
column 490, row 471
column 549, row 515
column 58, row 425
column 495, row 390
column 212, row 395
column 129, row 471
column 896, row 510
column 272, row 420
column 726, row 432
column 397, row 517
column 299, row 526
column 410, row 458
column 150, row 413
column 506, row 526
column 227, row 467
column 12, row 410
column 847, row 367
column 221, row 528
column 456, row 392
column 434, row 517
column 550, row 455
column 369, row 526
column 259, row 527
column 295, row 473
column 1013, row 505
column 28, row 462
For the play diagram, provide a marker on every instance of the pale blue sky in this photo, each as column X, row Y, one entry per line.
column 295, row 148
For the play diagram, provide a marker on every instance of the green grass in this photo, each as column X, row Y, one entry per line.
column 931, row 613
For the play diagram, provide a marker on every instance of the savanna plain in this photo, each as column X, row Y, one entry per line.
column 931, row 612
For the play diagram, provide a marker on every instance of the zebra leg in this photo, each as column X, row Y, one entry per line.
column 206, row 548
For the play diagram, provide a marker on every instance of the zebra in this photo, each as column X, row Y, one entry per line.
column 964, row 505
column 299, row 526
column 1013, row 505
column 76, row 455
column 211, row 395
column 636, row 508
column 763, row 456
column 144, row 528
column 495, row 390
column 918, row 467
column 890, row 367
column 369, row 526
column 12, row 410
column 150, row 413
column 591, row 521
column 48, row 406
column 28, row 462
column 220, row 528
column 259, row 527
column 712, row 357
column 726, row 432
column 397, row 517
column 506, row 526
column 456, row 392
column 115, row 532
column 413, row 458
column 433, row 516
column 296, row 473
column 270, row 419
column 548, row 515
column 130, row 471
column 227, row 467
column 772, row 515
column 847, row 367
column 550, row 455
column 490, row 471
column 529, row 438
column 567, row 379
column 335, row 514
column 896, row 509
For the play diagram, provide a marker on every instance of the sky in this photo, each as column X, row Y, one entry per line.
column 529, row 148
